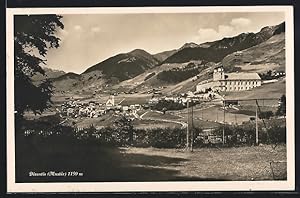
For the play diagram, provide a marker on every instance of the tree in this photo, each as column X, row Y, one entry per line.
column 124, row 130
column 265, row 115
column 33, row 36
column 281, row 111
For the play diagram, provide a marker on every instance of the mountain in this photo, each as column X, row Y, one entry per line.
column 189, row 45
column 180, row 70
column 69, row 75
column 125, row 66
column 164, row 55
column 268, row 55
column 66, row 82
column 49, row 73
column 216, row 51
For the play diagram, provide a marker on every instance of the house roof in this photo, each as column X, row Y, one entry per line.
column 242, row 76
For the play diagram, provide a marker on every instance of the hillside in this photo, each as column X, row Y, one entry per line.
column 49, row 73
column 269, row 55
column 69, row 75
column 216, row 51
column 149, row 78
column 164, row 55
column 274, row 90
column 125, row 66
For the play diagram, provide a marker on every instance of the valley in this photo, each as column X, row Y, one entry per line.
column 137, row 81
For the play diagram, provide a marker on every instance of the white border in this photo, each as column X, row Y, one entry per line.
column 12, row 186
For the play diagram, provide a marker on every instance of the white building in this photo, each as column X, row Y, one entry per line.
column 238, row 81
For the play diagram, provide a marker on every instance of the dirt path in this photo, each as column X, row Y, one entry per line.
column 183, row 124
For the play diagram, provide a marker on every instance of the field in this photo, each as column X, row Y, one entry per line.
column 274, row 90
column 151, row 164
column 243, row 163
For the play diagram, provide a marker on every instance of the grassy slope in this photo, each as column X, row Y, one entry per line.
column 260, row 58
column 272, row 90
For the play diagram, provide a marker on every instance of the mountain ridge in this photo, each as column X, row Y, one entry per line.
column 217, row 50
column 140, row 65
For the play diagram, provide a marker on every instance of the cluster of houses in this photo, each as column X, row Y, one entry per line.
column 183, row 99
column 92, row 109
column 75, row 108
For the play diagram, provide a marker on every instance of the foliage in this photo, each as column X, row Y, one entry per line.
column 161, row 138
column 266, row 76
column 33, row 36
column 177, row 75
column 123, row 131
column 167, row 105
column 266, row 115
column 281, row 111
column 276, row 133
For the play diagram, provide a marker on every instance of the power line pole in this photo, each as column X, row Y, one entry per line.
column 224, row 122
column 256, row 124
column 235, row 119
column 188, row 125
column 192, row 131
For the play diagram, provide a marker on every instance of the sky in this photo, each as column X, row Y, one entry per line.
column 90, row 39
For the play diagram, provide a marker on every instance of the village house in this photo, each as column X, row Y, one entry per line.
column 221, row 81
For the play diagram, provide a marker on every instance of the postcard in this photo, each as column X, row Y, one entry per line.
column 139, row 99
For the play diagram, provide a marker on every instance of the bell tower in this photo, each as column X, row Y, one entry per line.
column 218, row 74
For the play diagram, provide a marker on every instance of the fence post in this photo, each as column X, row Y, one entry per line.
column 256, row 124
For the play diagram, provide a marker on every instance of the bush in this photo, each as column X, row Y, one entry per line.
column 277, row 134
column 169, row 105
column 163, row 105
column 177, row 75
column 281, row 111
column 122, row 133
column 266, row 115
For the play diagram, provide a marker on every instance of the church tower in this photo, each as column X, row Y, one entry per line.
column 218, row 74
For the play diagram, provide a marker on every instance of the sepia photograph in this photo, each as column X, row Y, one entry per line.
column 150, row 99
